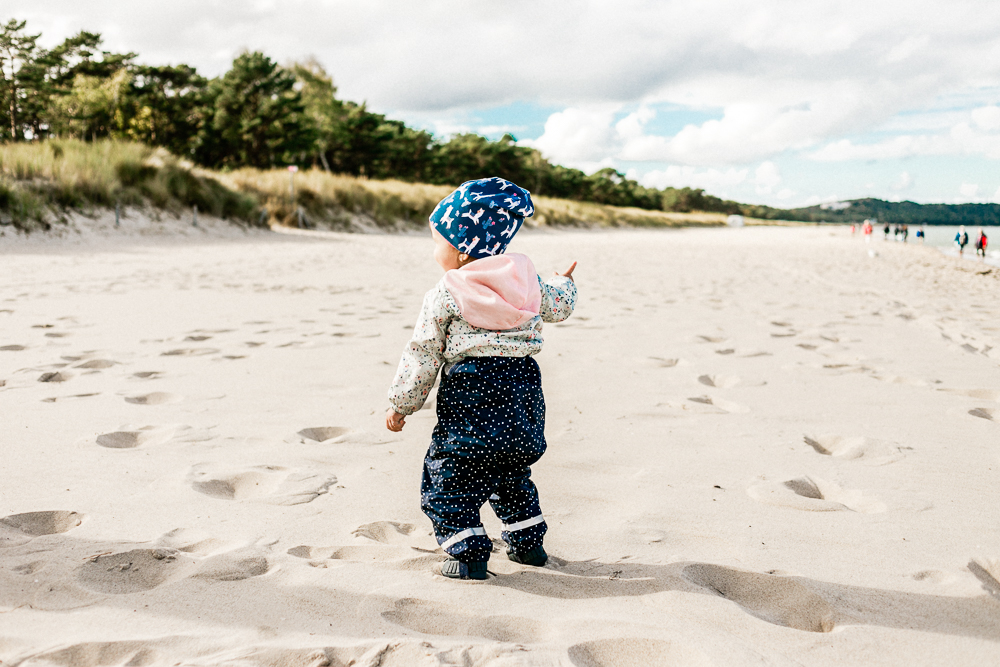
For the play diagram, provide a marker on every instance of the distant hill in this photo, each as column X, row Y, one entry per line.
column 904, row 212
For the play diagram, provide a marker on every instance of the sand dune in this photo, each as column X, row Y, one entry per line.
column 766, row 447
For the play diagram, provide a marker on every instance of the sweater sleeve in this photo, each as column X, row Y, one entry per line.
column 423, row 355
column 558, row 298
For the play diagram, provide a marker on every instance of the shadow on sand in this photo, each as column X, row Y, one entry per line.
column 795, row 602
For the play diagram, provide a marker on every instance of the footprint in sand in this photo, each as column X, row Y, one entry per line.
column 400, row 543
column 987, row 570
column 386, row 532
column 132, row 571
column 234, row 565
column 775, row 599
column 721, row 381
column 984, row 413
column 97, row 364
column 323, row 433
column 56, row 376
column 432, row 618
column 869, row 450
column 635, row 652
column 12, row 348
column 190, row 540
column 190, row 352
column 276, row 485
column 339, row 434
column 53, row 399
column 155, row 398
column 18, row 529
column 147, row 375
column 982, row 394
column 708, row 339
column 814, row 494
column 130, row 437
column 938, row 577
column 665, row 363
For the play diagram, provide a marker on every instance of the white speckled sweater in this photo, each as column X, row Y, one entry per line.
column 493, row 292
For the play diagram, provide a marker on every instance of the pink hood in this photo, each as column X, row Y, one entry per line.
column 496, row 293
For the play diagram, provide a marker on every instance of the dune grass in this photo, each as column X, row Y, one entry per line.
column 346, row 202
column 40, row 182
column 334, row 201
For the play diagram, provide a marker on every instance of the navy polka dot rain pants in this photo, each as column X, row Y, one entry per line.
column 491, row 418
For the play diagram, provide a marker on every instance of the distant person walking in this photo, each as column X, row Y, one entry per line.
column 981, row 242
column 920, row 234
column 961, row 240
column 885, row 230
column 867, row 230
column 905, row 232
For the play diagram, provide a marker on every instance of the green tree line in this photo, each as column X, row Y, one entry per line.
column 264, row 115
column 902, row 213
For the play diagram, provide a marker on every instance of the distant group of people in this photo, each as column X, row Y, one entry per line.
column 902, row 232
column 899, row 232
column 962, row 240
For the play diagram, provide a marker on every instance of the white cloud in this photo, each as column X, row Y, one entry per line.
column 766, row 177
column 986, row 118
column 961, row 139
column 579, row 136
column 904, row 182
column 632, row 125
column 907, row 48
column 676, row 176
column 969, row 190
column 785, row 193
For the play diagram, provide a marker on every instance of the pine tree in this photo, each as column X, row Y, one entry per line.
column 17, row 50
column 258, row 117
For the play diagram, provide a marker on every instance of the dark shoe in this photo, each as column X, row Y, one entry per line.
column 454, row 569
column 536, row 557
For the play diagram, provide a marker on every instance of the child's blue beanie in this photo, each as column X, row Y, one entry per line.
column 481, row 217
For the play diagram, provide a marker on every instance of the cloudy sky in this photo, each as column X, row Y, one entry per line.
column 782, row 102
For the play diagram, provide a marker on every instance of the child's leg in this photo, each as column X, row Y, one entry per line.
column 451, row 494
column 515, row 502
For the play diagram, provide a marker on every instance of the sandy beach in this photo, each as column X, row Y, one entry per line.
column 766, row 447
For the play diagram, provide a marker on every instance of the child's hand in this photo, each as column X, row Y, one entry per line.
column 569, row 272
column 394, row 421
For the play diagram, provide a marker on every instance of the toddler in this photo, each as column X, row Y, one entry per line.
column 481, row 324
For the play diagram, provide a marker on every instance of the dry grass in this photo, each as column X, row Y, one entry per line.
column 345, row 202
column 39, row 182
column 337, row 202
